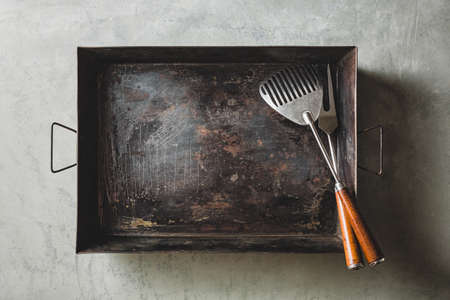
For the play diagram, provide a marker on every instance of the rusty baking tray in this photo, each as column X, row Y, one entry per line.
column 176, row 151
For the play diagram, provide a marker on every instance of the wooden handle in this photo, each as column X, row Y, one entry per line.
column 371, row 251
column 351, row 249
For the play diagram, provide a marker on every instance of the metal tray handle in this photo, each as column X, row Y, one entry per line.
column 378, row 173
column 51, row 147
column 380, row 151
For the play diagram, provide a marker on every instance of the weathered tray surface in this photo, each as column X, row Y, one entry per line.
column 192, row 149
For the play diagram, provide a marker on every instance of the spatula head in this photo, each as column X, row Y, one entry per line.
column 294, row 90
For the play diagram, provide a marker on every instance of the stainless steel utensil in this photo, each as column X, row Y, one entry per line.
column 296, row 93
column 328, row 123
column 327, row 118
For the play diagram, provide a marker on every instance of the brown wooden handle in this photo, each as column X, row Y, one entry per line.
column 371, row 251
column 351, row 249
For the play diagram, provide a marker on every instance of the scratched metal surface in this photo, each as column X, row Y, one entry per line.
column 191, row 149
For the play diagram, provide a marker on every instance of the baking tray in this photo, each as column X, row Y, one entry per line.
column 176, row 151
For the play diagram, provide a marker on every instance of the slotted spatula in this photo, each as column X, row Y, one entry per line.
column 296, row 93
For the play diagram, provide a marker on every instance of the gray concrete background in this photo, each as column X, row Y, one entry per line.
column 403, row 84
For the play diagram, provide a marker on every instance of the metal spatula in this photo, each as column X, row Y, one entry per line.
column 296, row 93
